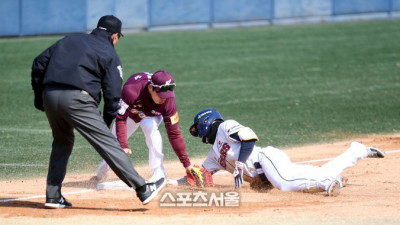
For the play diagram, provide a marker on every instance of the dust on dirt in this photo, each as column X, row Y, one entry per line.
column 371, row 196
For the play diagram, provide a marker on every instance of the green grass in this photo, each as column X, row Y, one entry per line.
column 292, row 85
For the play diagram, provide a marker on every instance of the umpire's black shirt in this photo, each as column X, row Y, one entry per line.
column 85, row 62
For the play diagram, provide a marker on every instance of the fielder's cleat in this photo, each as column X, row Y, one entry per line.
column 374, row 152
column 52, row 203
column 344, row 180
column 103, row 171
column 158, row 173
column 147, row 192
column 334, row 188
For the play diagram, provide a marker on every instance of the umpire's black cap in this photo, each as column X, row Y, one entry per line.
column 111, row 24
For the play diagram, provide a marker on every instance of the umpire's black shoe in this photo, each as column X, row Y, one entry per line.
column 53, row 203
column 147, row 192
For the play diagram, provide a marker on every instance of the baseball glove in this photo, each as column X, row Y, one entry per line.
column 199, row 177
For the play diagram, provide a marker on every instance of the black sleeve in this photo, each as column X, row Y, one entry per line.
column 39, row 67
column 245, row 149
column 111, row 85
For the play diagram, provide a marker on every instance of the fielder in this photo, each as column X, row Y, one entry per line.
column 233, row 149
column 147, row 100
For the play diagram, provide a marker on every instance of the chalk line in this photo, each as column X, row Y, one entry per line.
column 44, row 196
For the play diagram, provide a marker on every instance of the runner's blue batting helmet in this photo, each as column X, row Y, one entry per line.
column 203, row 120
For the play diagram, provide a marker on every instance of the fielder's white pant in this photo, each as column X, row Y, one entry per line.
column 288, row 176
column 154, row 143
column 152, row 135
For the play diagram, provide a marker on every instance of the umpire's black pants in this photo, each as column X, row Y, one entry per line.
column 67, row 109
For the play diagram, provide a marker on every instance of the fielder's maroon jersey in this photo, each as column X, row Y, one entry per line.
column 136, row 103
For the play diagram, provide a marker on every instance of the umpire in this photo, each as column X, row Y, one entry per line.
column 67, row 80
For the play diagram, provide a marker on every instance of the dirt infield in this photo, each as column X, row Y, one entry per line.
column 371, row 197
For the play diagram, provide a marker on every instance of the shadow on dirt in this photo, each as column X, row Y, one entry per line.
column 40, row 205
